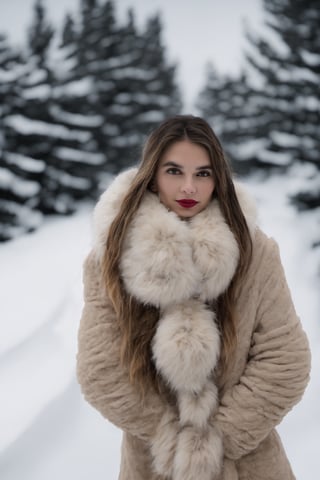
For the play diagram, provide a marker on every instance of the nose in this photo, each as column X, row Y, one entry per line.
column 188, row 186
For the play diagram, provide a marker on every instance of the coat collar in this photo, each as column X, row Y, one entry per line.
column 165, row 259
column 178, row 266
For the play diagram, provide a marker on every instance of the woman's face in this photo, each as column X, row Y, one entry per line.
column 184, row 180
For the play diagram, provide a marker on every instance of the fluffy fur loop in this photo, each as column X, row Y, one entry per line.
column 199, row 454
column 108, row 207
column 196, row 409
column 163, row 446
column 215, row 251
column 185, row 349
column 167, row 261
column 110, row 201
column 186, row 345
column 178, row 267
column 156, row 264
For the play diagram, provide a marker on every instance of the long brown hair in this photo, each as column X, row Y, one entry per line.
column 138, row 322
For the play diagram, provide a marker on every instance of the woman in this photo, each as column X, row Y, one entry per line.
column 189, row 341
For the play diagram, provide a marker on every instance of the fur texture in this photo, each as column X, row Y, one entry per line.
column 163, row 447
column 196, row 408
column 186, row 346
column 109, row 204
column 177, row 267
column 199, row 454
column 269, row 373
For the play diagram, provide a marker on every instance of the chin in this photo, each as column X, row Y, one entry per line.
column 186, row 215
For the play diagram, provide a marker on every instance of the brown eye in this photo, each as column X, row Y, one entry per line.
column 173, row 171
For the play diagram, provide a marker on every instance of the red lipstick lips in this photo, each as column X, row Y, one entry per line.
column 187, row 203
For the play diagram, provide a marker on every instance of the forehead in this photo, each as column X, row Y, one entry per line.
column 186, row 154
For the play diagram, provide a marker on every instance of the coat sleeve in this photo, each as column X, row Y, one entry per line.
column 104, row 382
column 278, row 366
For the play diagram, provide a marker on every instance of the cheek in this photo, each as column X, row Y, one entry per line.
column 165, row 186
column 161, row 190
column 209, row 189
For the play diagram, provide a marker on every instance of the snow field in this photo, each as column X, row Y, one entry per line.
column 47, row 429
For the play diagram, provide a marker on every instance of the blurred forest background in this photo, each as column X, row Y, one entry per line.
column 77, row 100
column 76, row 105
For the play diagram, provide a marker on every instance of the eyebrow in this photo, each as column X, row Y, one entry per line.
column 176, row 165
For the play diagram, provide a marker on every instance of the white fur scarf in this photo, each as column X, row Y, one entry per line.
column 178, row 266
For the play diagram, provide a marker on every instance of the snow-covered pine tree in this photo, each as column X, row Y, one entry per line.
column 76, row 160
column 40, row 34
column 123, row 135
column 160, row 83
column 69, row 33
column 33, row 132
column 287, row 60
column 19, row 190
column 145, row 89
column 102, row 56
column 228, row 103
column 269, row 118
column 128, row 90
column 57, row 142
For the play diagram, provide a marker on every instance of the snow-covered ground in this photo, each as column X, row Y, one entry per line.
column 47, row 431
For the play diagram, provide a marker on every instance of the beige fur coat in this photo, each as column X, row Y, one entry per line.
column 179, row 267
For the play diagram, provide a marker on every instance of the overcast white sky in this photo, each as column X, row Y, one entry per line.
column 195, row 31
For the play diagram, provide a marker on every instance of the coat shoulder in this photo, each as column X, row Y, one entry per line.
column 265, row 258
column 263, row 245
